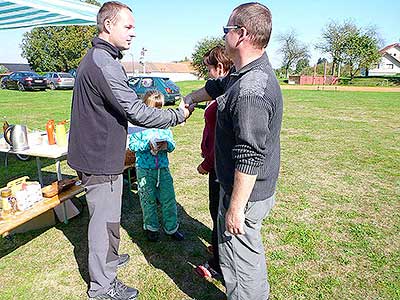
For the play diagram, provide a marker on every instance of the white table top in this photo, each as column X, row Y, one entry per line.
column 41, row 150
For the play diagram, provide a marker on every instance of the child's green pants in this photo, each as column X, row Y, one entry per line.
column 158, row 184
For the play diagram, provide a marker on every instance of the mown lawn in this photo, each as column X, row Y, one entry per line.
column 333, row 234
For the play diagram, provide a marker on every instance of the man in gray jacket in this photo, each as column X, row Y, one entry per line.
column 247, row 149
column 102, row 105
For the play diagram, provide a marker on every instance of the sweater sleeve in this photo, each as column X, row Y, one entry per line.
column 251, row 115
column 216, row 87
column 209, row 142
column 208, row 162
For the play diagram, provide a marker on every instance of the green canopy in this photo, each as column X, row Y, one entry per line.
column 28, row 13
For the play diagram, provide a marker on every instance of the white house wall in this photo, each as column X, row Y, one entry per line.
column 173, row 76
column 391, row 57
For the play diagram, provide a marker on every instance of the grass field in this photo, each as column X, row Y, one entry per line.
column 333, row 234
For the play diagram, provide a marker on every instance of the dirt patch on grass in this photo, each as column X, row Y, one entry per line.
column 340, row 88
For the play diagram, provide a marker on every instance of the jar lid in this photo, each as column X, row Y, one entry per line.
column 6, row 192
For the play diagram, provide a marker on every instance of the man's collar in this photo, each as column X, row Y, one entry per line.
column 261, row 60
column 102, row 44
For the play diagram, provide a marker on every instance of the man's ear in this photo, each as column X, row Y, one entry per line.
column 107, row 25
column 220, row 68
column 243, row 32
column 242, row 35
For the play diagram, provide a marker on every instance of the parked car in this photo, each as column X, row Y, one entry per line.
column 25, row 81
column 3, row 82
column 142, row 84
column 72, row 72
column 59, row 80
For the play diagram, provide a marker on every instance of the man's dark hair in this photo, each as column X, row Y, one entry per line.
column 110, row 11
column 257, row 20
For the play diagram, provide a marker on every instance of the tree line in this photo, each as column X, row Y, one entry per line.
column 348, row 49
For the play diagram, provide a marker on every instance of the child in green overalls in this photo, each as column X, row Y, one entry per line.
column 153, row 176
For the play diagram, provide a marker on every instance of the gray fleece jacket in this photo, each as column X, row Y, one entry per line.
column 102, row 105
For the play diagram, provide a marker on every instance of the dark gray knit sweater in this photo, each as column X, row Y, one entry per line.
column 248, row 127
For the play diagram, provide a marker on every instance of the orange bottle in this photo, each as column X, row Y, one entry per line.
column 50, row 132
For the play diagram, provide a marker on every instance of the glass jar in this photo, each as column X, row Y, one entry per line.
column 6, row 196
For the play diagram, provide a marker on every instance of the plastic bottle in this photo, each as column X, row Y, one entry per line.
column 50, row 132
column 61, row 135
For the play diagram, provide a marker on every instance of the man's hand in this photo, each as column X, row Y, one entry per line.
column 188, row 99
column 234, row 221
column 188, row 109
column 201, row 170
column 242, row 187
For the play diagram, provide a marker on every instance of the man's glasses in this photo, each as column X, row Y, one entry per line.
column 226, row 29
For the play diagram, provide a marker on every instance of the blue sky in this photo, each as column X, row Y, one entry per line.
column 170, row 29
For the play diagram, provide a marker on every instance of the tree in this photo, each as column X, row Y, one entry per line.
column 361, row 51
column 201, row 48
column 334, row 41
column 3, row 69
column 58, row 48
column 291, row 49
column 302, row 64
column 94, row 2
column 334, row 38
column 322, row 60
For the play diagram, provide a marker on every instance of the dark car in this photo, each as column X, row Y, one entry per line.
column 25, row 81
column 142, row 84
column 59, row 80
column 3, row 82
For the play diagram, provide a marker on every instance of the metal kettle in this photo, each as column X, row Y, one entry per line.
column 17, row 137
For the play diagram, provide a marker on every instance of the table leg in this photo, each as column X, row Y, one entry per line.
column 39, row 169
column 58, row 168
column 59, row 177
column 6, row 163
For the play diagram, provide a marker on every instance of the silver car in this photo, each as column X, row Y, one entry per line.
column 59, row 80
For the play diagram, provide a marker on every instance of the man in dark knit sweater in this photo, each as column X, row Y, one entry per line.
column 247, row 149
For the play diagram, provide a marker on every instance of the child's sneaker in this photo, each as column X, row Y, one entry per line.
column 177, row 236
column 205, row 270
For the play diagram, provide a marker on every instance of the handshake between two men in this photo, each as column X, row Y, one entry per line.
column 189, row 102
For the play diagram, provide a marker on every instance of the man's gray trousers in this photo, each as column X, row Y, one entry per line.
column 103, row 196
column 242, row 257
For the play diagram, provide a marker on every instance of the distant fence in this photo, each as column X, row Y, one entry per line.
column 318, row 80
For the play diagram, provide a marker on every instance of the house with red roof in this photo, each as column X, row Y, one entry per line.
column 176, row 71
column 390, row 62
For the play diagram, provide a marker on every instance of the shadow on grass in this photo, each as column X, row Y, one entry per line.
column 176, row 259
column 15, row 168
column 13, row 242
